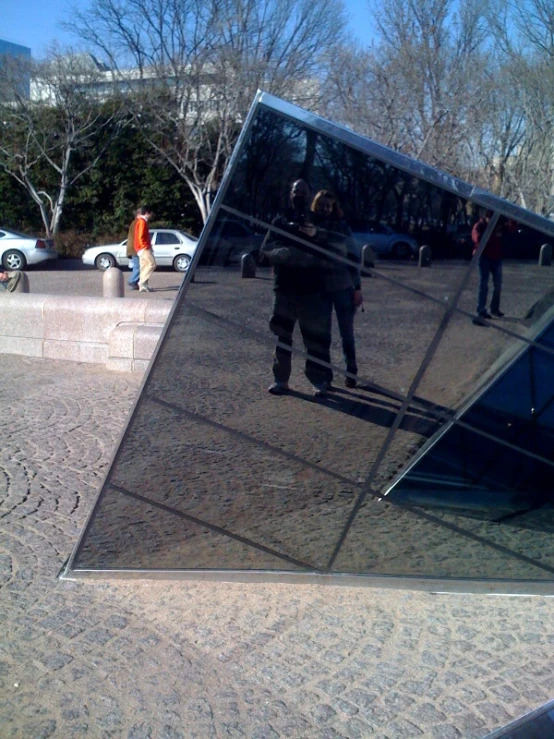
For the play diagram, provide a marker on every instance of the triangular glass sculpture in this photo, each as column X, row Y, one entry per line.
column 400, row 440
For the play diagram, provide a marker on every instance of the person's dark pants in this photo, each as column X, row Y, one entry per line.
column 343, row 302
column 313, row 313
column 135, row 275
column 488, row 266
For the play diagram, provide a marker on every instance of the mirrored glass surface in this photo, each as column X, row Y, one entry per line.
column 538, row 724
column 322, row 399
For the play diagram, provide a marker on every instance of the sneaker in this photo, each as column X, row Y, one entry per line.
column 351, row 382
column 143, row 288
column 278, row 388
column 497, row 313
column 133, row 286
column 320, row 391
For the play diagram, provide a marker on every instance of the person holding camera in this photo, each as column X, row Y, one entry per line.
column 299, row 295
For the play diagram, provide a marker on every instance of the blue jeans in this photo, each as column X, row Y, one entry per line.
column 313, row 313
column 488, row 266
column 135, row 275
column 343, row 302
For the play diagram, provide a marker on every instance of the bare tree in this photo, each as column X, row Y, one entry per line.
column 193, row 67
column 524, row 34
column 41, row 134
column 416, row 89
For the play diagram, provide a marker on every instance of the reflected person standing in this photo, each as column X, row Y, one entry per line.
column 342, row 279
column 490, row 265
column 299, row 295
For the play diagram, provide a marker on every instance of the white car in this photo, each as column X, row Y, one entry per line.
column 386, row 242
column 18, row 250
column 171, row 248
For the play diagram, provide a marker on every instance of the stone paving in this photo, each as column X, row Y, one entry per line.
column 172, row 660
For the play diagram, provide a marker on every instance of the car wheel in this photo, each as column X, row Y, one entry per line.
column 13, row 260
column 104, row 262
column 181, row 263
column 402, row 250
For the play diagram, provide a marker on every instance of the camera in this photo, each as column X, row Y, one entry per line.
column 299, row 207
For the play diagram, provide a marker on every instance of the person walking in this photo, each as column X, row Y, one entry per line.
column 143, row 247
column 132, row 255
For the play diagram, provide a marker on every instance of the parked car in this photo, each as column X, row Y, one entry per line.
column 18, row 250
column 385, row 241
column 171, row 248
column 228, row 239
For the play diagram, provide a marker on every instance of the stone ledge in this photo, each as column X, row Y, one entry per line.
column 119, row 333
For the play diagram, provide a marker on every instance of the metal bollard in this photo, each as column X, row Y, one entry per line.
column 425, row 256
column 368, row 256
column 247, row 265
column 23, row 284
column 112, row 283
column 545, row 255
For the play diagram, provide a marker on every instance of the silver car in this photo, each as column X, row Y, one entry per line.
column 386, row 242
column 18, row 250
column 172, row 248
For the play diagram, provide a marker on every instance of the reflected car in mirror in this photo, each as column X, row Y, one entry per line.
column 228, row 239
column 385, row 241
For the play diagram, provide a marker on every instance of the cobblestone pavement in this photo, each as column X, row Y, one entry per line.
column 167, row 660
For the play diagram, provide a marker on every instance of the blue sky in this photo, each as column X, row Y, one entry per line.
column 35, row 23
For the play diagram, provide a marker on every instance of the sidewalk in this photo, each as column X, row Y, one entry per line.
column 169, row 660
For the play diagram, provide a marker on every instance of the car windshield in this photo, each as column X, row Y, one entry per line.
column 189, row 236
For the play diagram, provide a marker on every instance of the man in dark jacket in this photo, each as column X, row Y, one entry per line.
column 299, row 295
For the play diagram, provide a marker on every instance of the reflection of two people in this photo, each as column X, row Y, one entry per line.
column 308, row 283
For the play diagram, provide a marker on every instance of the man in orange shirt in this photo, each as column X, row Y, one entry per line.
column 143, row 247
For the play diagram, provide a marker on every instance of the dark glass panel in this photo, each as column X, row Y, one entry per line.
column 544, row 314
column 538, row 724
column 215, row 472
column 518, row 407
column 250, row 489
column 396, row 540
column 468, row 472
column 129, row 533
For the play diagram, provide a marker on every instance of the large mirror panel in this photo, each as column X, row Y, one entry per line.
column 307, row 408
